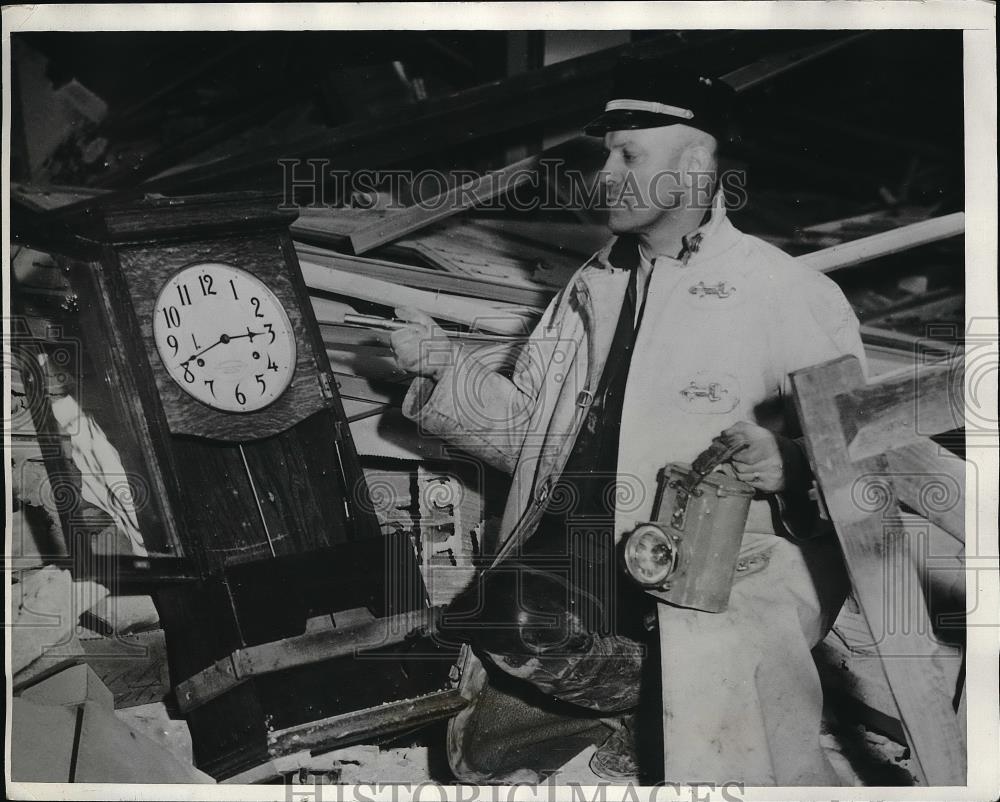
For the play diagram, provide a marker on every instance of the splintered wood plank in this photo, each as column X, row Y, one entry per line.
column 476, row 314
column 775, row 64
column 429, row 279
column 894, row 412
column 331, row 226
column 465, row 196
column 857, row 676
column 469, row 248
column 581, row 240
column 133, row 667
column 357, row 726
column 861, row 503
column 931, row 482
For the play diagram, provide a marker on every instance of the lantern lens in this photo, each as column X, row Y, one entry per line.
column 650, row 555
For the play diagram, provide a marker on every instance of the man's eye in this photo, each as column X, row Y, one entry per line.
column 629, row 157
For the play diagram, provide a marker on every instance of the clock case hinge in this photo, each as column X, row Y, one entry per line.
column 325, row 386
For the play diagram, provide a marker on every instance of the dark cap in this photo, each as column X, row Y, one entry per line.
column 649, row 93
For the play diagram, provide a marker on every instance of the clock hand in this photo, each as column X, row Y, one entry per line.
column 223, row 338
column 250, row 334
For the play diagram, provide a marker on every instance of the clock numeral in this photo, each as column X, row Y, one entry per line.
column 232, row 286
column 172, row 316
column 240, row 398
column 271, row 365
column 270, row 330
column 210, row 383
column 206, row 282
column 185, row 294
column 188, row 375
column 255, row 302
column 172, row 342
column 260, row 380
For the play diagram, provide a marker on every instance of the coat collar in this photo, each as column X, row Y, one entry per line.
column 714, row 236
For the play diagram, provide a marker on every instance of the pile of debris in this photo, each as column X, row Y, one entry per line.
column 91, row 660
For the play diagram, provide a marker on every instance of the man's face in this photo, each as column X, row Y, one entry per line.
column 643, row 175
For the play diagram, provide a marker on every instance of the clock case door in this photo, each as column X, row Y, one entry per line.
column 76, row 323
column 242, row 486
column 270, row 506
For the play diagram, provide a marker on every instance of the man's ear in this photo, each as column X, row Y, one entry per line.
column 697, row 164
column 700, row 158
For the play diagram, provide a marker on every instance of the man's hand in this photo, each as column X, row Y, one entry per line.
column 761, row 464
column 409, row 344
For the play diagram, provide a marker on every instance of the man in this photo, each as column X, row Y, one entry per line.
column 681, row 330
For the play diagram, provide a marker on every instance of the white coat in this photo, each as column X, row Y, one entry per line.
column 720, row 334
column 721, row 331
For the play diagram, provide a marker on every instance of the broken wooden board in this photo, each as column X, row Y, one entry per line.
column 133, row 667
column 579, row 240
column 579, row 156
column 465, row 196
column 321, row 642
column 475, row 314
column 452, row 281
column 356, row 727
column 859, row 496
column 436, row 124
column 773, row 65
column 332, row 226
column 851, row 670
column 64, row 729
column 87, row 743
column 465, row 247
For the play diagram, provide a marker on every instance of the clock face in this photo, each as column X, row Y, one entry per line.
column 224, row 337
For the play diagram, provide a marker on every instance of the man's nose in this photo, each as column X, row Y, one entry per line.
column 609, row 177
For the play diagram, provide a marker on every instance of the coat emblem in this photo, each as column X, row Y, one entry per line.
column 721, row 289
column 709, row 393
column 713, row 391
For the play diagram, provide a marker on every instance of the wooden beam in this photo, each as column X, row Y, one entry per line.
column 774, row 65
column 920, row 347
column 931, row 307
column 861, row 250
column 325, row 642
column 579, row 239
column 898, row 411
column 440, row 207
column 433, row 125
column 860, row 681
column 873, row 552
column 365, row 726
column 443, row 307
column 931, row 483
column 428, row 279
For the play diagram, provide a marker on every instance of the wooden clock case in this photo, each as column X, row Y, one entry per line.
column 266, row 514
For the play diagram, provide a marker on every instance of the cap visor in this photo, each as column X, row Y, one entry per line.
column 626, row 120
